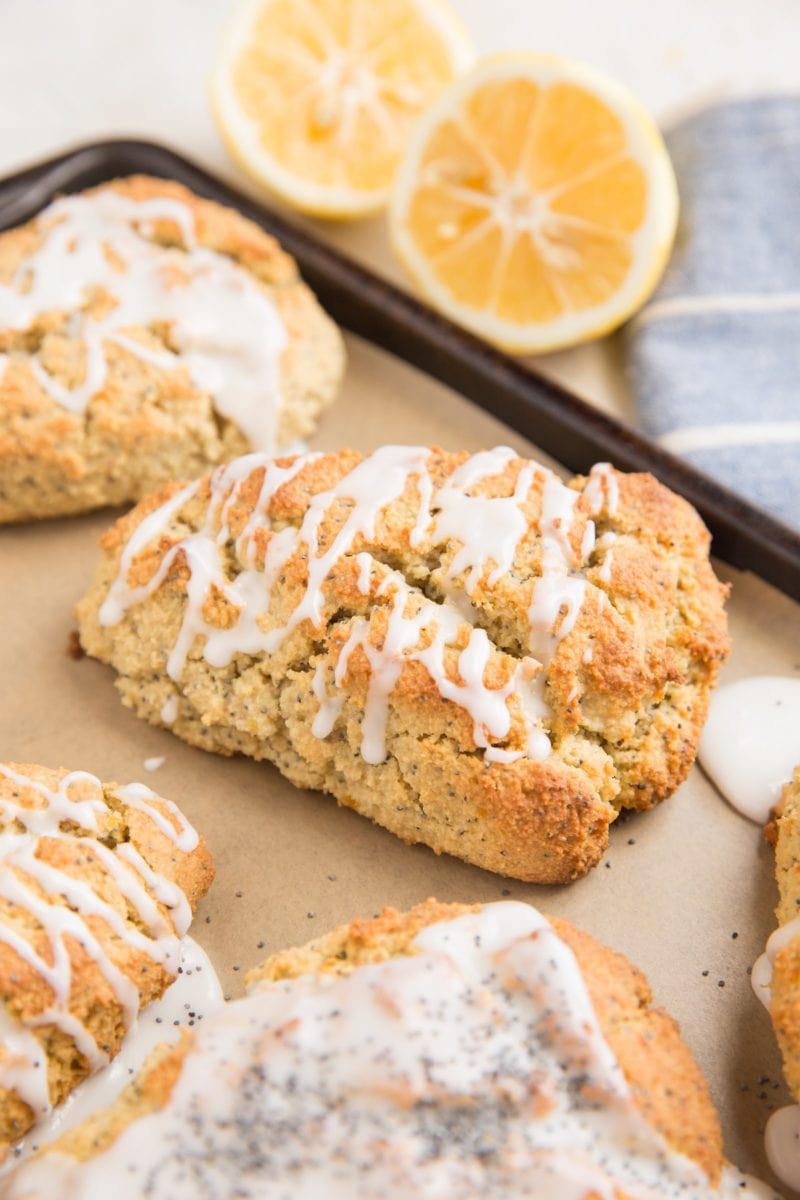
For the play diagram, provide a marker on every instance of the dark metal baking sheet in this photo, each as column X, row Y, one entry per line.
column 563, row 425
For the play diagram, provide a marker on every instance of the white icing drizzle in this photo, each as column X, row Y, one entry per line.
column 329, row 706
column 602, row 489
column 169, row 710
column 28, row 882
column 488, row 528
column 364, row 561
column 194, row 996
column 410, row 616
column 605, row 545
column 155, row 763
column 751, row 742
column 474, row 1067
column 227, row 333
column 138, row 796
column 499, row 755
column 484, row 532
column 558, row 595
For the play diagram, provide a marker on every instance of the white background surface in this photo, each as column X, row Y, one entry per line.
column 74, row 70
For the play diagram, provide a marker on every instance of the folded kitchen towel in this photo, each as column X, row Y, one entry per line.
column 715, row 354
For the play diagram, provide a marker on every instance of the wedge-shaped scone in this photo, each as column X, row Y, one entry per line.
column 451, row 1051
column 97, row 887
column 463, row 648
column 146, row 335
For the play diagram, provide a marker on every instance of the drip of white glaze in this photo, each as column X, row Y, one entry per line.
column 496, row 754
column 28, row 882
column 486, row 533
column 475, row 1066
column 329, row 706
column 155, row 763
column 605, row 545
column 139, row 796
column 169, row 710
column 225, row 330
column 751, row 742
column 364, row 562
column 191, row 999
column 23, row 1068
column 602, row 489
column 558, row 595
column 761, row 975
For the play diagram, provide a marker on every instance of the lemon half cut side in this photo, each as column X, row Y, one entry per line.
column 535, row 204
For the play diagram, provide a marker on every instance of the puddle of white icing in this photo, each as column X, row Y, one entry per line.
column 751, row 742
column 195, row 994
column 154, row 763
column 782, row 1144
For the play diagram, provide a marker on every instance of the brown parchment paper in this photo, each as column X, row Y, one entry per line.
column 676, row 885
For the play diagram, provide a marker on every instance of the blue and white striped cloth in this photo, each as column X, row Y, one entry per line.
column 715, row 355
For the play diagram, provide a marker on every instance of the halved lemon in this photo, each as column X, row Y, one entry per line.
column 535, row 204
column 315, row 98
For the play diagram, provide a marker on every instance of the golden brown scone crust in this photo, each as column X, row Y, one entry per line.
column 628, row 688
column 785, row 1006
column 25, row 992
column 147, row 424
column 669, row 1088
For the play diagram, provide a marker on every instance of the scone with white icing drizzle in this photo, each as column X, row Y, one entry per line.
column 146, row 335
column 97, row 887
column 454, row 1051
column 776, row 975
column 463, row 648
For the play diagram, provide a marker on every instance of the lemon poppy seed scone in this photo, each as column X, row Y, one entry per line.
column 463, row 648
column 776, row 981
column 776, row 976
column 450, row 1051
column 97, row 887
column 145, row 335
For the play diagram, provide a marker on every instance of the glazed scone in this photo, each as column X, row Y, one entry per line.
column 97, row 887
column 450, row 1051
column 463, row 648
column 776, row 978
column 146, row 335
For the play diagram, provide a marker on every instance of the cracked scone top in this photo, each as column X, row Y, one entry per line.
column 448, row 1051
column 463, row 648
column 97, row 887
column 146, row 335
